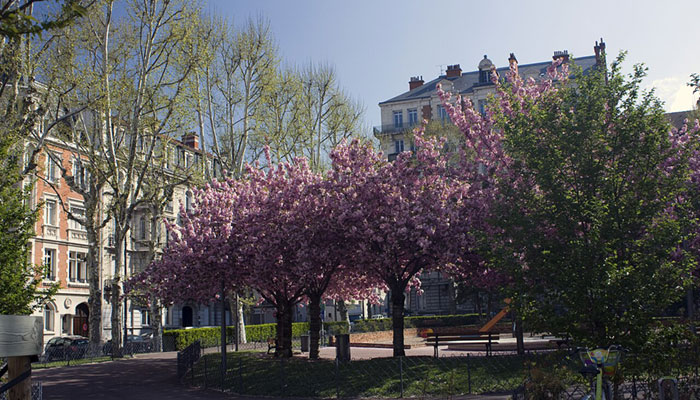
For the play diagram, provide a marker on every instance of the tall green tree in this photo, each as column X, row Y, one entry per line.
column 19, row 278
column 589, row 218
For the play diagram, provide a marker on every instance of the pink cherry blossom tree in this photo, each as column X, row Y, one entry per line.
column 405, row 216
column 200, row 262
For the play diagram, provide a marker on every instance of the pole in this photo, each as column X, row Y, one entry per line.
column 223, row 332
column 16, row 366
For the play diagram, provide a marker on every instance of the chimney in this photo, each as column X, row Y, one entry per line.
column 513, row 62
column 416, row 81
column 191, row 140
column 561, row 54
column 599, row 50
column 454, row 71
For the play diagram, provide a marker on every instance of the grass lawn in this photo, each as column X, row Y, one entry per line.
column 254, row 373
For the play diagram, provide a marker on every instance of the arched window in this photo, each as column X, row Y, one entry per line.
column 48, row 317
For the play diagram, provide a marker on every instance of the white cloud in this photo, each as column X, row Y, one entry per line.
column 675, row 93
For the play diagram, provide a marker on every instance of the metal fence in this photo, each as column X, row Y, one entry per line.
column 80, row 352
column 37, row 392
column 541, row 375
column 262, row 375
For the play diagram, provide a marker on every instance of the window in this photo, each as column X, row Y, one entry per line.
column 48, row 318
column 50, row 264
column 78, row 212
column 482, row 107
column 398, row 146
column 169, row 206
column 442, row 114
column 188, row 159
column 79, row 174
column 51, row 169
column 50, row 212
column 188, row 201
column 145, row 318
column 77, row 266
column 485, row 76
column 412, row 117
column 398, row 119
column 143, row 228
column 180, row 157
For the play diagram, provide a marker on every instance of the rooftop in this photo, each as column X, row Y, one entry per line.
column 468, row 81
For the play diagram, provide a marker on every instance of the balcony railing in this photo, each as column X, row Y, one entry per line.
column 395, row 128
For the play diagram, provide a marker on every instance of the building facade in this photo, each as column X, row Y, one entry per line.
column 401, row 114
column 60, row 246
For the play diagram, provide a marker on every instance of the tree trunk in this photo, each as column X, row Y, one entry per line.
column 241, row 323
column 116, row 321
column 343, row 311
column 157, row 324
column 115, row 299
column 284, row 330
column 95, row 296
column 314, row 325
column 397, row 300
column 518, row 331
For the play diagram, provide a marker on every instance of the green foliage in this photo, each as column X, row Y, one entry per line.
column 16, row 21
column 384, row 324
column 19, row 279
column 336, row 327
column 586, row 210
column 669, row 343
column 210, row 336
column 546, row 384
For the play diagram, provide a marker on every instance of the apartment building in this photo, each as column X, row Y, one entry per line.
column 401, row 114
column 61, row 244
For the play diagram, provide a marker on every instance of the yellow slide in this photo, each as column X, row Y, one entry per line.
column 487, row 327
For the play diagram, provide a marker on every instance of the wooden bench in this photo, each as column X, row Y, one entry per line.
column 271, row 344
column 436, row 338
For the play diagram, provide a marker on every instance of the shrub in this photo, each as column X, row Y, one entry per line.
column 211, row 336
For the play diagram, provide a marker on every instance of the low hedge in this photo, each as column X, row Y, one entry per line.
column 384, row 324
column 210, row 336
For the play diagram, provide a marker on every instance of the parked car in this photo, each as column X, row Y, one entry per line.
column 134, row 344
column 65, row 348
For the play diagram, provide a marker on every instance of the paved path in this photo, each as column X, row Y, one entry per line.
column 146, row 377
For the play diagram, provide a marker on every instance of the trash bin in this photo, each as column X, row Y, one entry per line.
column 304, row 343
column 342, row 347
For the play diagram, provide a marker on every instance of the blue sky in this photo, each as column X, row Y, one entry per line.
column 376, row 46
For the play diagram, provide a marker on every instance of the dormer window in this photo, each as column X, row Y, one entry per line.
column 484, row 76
column 485, row 67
